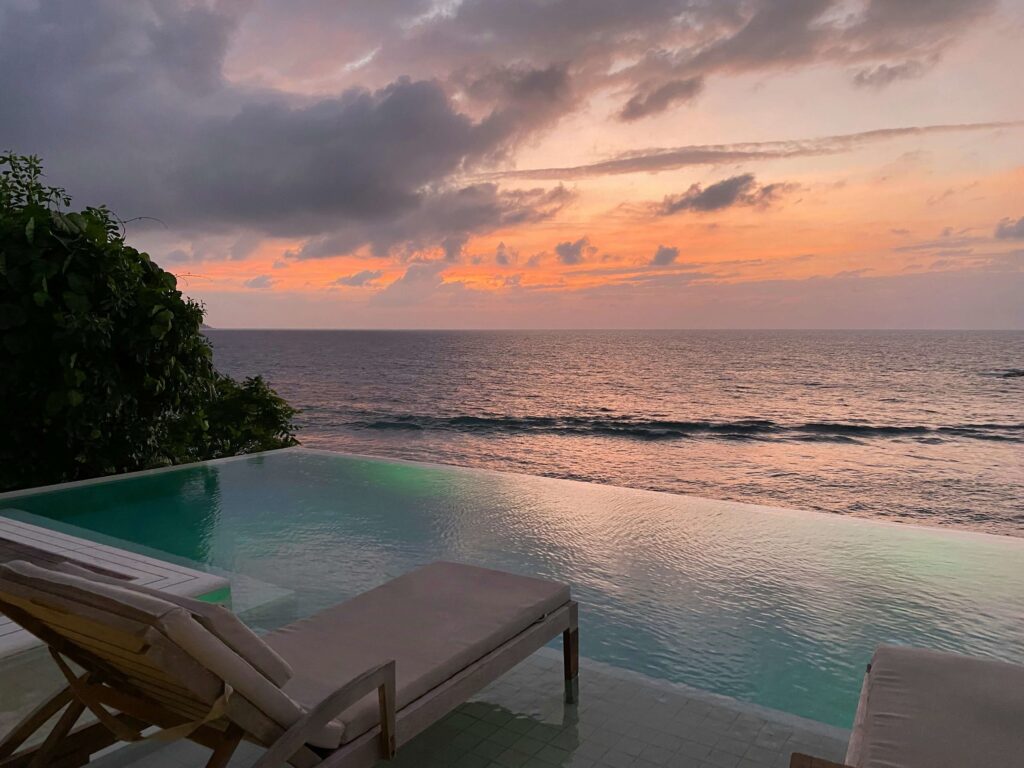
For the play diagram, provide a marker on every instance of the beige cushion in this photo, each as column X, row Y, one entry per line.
column 928, row 709
column 214, row 618
column 434, row 622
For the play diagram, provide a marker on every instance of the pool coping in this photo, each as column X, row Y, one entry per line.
column 1007, row 540
column 163, row 575
column 777, row 716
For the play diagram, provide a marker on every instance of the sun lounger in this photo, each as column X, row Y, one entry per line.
column 927, row 709
column 342, row 689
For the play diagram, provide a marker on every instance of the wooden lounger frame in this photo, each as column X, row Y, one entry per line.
column 124, row 713
column 799, row 760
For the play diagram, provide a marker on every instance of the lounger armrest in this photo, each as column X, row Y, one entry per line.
column 798, row 760
column 380, row 678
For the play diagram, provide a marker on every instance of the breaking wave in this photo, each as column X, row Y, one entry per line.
column 657, row 429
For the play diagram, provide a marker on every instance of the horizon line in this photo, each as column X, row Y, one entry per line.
column 604, row 330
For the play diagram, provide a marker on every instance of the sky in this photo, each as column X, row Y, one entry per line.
column 543, row 163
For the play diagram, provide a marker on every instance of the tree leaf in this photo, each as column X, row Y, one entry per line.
column 11, row 316
column 76, row 302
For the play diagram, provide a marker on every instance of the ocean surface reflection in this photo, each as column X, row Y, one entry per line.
column 923, row 426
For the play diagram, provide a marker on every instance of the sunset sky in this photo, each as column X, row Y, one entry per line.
column 544, row 163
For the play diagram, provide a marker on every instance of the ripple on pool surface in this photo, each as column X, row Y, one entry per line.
column 776, row 607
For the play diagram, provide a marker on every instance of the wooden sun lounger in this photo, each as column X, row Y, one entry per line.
column 342, row 689
column 928, row 709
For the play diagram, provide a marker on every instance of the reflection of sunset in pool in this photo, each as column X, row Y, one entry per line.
column 778, row 607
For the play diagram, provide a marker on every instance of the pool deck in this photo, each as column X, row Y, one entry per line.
column 623, row 720
column 41, row 546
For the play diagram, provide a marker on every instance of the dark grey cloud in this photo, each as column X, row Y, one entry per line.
column 259, row 282
column 891, row 39
column 657, row 159
column 574, row 252
column 360, row 279
column 1008, row 229
column 452, row 247
column 504, row 256
column 736, row 190
column 441, row 219
column 297, row 169
column 767, row 34
column 664, row 256
column 661, row 98
column 884, row 74
column 669, row 46
column 517, row 97
column 129, row 106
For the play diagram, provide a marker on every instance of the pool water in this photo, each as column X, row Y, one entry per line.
column 780, row 608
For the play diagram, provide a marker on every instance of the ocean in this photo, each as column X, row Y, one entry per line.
column 924, row 427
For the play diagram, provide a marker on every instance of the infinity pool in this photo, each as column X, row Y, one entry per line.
column 777, row 607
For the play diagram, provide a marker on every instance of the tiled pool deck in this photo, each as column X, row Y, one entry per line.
column 623, row 720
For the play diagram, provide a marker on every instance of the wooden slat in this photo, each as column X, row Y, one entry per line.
column 141, row 665
column 168, row 690
column 141, row 671
column 191, row 707
column 69, row 624
column 40, row 604
column 113, row 652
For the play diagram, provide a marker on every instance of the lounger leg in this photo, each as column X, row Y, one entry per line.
column 222, row 754
column 33, row 722
column 60, row 730
column 386, row 702
column 571, row 656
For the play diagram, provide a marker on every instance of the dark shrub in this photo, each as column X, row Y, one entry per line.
column 103, row 367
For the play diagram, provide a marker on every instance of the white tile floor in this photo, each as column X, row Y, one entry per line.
column 623, row 720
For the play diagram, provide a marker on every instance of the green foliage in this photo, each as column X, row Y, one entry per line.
column 103, row 367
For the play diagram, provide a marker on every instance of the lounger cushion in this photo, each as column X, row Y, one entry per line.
column 215, row 619
column 434, row 622
column 928, row 709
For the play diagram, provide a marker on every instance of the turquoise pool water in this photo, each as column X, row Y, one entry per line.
column 780, row 608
